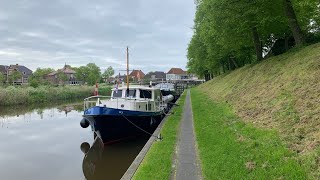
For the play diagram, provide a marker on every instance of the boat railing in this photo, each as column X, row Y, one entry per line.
column 92, row 101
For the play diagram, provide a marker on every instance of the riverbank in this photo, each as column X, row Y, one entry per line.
column 14, row 95
column 281, row 94
column 158, row 162
column 232, row 149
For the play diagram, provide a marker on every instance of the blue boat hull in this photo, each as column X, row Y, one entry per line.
column 113, row 125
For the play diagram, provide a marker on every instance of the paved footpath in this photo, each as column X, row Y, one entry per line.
column 188, row 166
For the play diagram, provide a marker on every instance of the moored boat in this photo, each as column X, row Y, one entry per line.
column 127, row 113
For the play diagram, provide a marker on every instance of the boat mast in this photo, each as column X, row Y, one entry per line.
column 127, row 71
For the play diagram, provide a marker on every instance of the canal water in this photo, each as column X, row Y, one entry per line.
column 48, row 143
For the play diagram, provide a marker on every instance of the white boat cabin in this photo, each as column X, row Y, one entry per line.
column 139, row 98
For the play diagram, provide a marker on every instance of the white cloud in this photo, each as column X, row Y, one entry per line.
column 52, row 33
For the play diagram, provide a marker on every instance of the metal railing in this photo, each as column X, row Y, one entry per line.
column 89, row 102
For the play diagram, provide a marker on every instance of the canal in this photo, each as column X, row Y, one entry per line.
column 48, row 143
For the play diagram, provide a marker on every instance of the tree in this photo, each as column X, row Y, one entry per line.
column 108, row 73
column 62, row 77
column 231, row 33
column 2, row 78
column 39, row 76
column 293, row 22
column 94, row 73
column 90, row 73
column 82, row 73
column 15, row 76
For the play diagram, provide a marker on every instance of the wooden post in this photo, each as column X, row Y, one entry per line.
column 127, row 71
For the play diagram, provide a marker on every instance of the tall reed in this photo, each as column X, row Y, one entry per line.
column 23, row 95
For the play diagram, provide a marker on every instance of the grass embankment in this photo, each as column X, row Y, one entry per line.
column 25, row 95
column 158, row 162
column 232, row 149
column 281, row 93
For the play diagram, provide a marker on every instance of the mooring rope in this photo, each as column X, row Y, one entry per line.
column 158, row 137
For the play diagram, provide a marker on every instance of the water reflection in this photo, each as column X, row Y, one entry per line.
column 102, row 161
column 17, row 110
column 43, row 143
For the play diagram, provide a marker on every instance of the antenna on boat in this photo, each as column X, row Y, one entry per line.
column 127, row 71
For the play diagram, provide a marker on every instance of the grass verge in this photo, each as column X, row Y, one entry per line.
column 232, row 149
column 158, row 162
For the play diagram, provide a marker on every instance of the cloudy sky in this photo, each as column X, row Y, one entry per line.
column 50, row 33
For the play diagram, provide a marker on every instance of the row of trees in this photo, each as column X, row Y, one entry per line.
column 89, row 74
column 231, row 33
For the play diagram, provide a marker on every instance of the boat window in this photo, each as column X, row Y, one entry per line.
column 117, row 93
column 145, row 94
column 132, row 93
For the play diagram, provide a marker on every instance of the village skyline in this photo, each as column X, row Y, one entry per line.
column 91, row 73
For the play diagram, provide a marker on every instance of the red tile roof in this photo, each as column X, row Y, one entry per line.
column 66, row 70
column 176, row 71
column 137, row 74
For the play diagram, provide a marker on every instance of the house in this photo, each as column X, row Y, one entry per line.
column 155, row 76
column 68, row 78
column 137, row 75
column 24, row 72
column 120, row 77
column 176, row 74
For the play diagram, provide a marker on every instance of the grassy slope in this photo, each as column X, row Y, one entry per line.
column 231, row 149
column 158, row 162
column 281, row 93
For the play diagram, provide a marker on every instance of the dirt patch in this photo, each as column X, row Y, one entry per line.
column 250, row 165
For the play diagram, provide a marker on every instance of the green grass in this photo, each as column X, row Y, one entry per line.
column 232, row 149
column 13, row 95
column 280, row 93
column 158, row 162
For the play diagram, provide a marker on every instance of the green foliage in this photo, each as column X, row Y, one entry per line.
column 230, row 34
column 108, row 72
column 90, row 73
column 104, row 90
column 2, row 78
column 39, row 77
column 33, row 82
column 14, row 76
column 62, row 76
column 25, row 95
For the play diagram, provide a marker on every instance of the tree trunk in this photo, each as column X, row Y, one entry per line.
column 234, row 62
column 293, row 23
column 229, row 65
column 286, row 43
column 222, row 64
column 257, row 43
